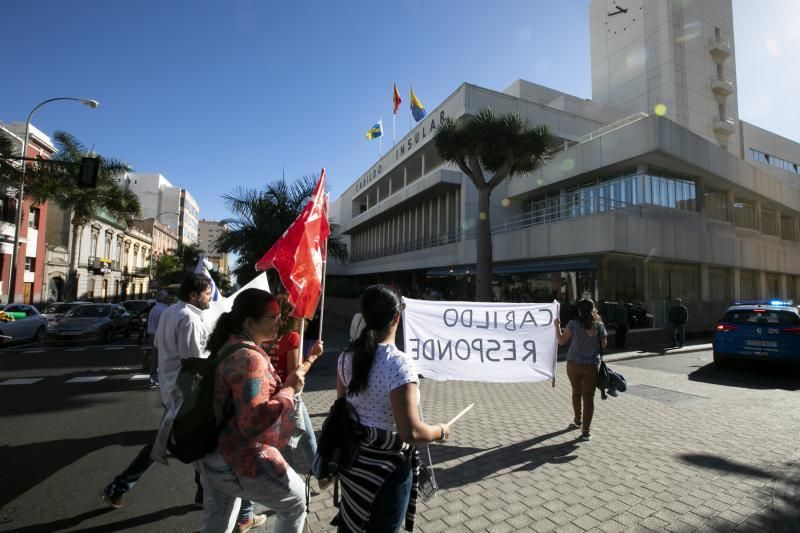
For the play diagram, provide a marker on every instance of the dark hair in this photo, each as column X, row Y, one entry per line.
column 587, row 314
column 250, row 303
column 193, row 283
column 289, row 323
column 379, row 305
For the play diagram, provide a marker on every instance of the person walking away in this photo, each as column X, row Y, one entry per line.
column 180, row 335
column 381, row 384
column 153, row 317
column 620, row 318
column 678, row 317
column 247, row 462
column 585, row 335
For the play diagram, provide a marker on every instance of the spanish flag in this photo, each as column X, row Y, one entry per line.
column 417, row 109
column 396, row 98
column 375, row 131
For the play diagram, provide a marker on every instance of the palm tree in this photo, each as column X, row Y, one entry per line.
column 260, row 219
column 490, row 148
column 86, row 204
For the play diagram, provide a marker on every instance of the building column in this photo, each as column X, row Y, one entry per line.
column 642, row 171
column 761, row 285
column 758, row 216
column 731, row 197
column 778, row 223
column 705, row 292
column 645, row 281
column 405, row 176
column 423, row 164
column 700, row 195
column 737, row 284
column 784, row 292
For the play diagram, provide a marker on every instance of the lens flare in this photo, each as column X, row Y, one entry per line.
column 567, row 165
column 482, row 215
column 660, row 110
column 505, row 202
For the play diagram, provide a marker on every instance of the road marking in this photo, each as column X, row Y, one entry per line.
column 21, row 381
column 34, row 351
column 75, row 350
column 125, row 367
column 114, row 348
column 86, row 379
column 139, row 377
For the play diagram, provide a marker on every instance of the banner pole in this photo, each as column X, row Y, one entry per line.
column 555, row 358
column 302, row 332
column 324, row 277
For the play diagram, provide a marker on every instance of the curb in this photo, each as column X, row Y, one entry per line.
column 629, row 356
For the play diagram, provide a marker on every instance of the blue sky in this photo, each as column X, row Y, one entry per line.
column 221, row 94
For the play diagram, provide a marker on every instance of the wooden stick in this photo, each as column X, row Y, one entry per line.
column 322, row 302
column 459, row 415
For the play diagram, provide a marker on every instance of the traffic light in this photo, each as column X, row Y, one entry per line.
column 87, row 175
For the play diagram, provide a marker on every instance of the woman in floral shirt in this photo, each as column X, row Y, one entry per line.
column 247, row 463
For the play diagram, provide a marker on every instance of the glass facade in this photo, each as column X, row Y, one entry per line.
column 773, row 285
column 748, row 285
column 716, row 205
column 673, row 280
column 720, row 284
column 744, row 213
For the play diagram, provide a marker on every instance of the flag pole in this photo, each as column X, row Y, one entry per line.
column 302, row 334
column 394, row 128
column 324, row 277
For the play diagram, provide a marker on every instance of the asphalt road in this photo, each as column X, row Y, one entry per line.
column 89, row 410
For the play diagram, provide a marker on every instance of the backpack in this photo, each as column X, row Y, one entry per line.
column 195, row 430
column 339, row 440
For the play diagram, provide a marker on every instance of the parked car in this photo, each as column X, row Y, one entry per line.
column 758, row 330
column 138, row 309
column 57, row 309
column 100, row 322
column 30, row 324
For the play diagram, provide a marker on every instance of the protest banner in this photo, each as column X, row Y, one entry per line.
column 481, row 341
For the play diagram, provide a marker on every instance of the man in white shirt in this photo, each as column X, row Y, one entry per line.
column 152, row 325
column 180, row 335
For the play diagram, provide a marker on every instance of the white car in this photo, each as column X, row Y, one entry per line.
column 32, row 327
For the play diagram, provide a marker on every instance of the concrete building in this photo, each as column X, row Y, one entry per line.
column 31, row 256
column 173, row 206
column 659, row 190
column 164, row 239
column 113, row 261
column 210, row 231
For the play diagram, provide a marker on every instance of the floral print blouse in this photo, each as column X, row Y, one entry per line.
column 261, row 425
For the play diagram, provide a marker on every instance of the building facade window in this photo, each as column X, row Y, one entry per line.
column 30, row 264
column 720, row 285
column 777, row 162
column 788, row 228
column 773, row 285
column 33, row 218
column 674, row 280
column 748, row 285
column 769, row 221
column 716, row 205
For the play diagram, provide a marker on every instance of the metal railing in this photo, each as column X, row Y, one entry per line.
column 96, row 263
column 542, row 212
column 611, row 127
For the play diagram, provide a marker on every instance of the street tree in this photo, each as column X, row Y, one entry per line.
column 86, row 204
column 261, row 217
column 489, row 148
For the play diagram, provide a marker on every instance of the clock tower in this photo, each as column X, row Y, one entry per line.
column 670, row 57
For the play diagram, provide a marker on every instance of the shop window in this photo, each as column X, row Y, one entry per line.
column 720, row 285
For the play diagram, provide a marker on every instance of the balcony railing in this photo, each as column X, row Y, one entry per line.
column 719, row 48
column 724, row 125
column 723, row 86
column 102, row 265
column 141, row 272
column 541, row 213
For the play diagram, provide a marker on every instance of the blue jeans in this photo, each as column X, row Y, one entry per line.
column 308, row 440
column 153, row 359
column 388, row 511
column 223, row 489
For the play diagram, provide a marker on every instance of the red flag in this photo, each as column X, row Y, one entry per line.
column 299, row 253
column 396, row 99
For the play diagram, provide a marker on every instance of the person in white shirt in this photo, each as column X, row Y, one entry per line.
column 180, row 335
column 152, row 324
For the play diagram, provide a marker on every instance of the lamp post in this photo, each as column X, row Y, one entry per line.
column 93, row 104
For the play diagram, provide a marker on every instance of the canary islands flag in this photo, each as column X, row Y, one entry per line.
column 417, row 109
column 375, row 131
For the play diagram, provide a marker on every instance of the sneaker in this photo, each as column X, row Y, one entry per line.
column 258, row 520
column 586, row 436
column 575, row 424
column 113, row 500
column 154, row 385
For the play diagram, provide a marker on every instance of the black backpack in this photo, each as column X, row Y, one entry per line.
column 195, row 430
column 339, row 440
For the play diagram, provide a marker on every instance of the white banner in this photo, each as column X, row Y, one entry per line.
column 223, row 304
column 480, row 341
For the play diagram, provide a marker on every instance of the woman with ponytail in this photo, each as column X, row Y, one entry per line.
column 381, row 385
column 252, row 404
column 588, row 336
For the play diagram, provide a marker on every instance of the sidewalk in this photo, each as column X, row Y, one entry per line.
column 674, row 453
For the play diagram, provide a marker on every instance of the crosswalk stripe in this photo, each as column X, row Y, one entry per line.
column 114, row 348
column 20, row 381
column 86, row 379
column 34, row 351
column 139, row 377
column 75, row 349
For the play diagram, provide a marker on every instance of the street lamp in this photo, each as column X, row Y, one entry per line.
column 93, row 104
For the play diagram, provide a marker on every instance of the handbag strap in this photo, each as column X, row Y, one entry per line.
column 600, row 340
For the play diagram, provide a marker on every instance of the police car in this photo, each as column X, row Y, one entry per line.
column 758, row 330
